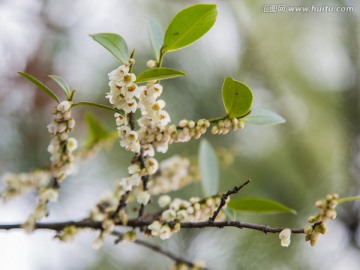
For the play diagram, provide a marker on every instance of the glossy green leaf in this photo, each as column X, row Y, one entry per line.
column 62, row 83
column 349, row 199
column 259, row 205
column 161, row 73
column 115, row 44
column 40, row 85
column 156, row 33
column 96, row 131
column 262, row 116
column 237, row 97
column 209, row 168
column 189, row 25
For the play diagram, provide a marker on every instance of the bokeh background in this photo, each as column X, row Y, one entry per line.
column 303, row 65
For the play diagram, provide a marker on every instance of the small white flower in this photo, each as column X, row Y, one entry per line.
column 284, row 236
column 164, row 200
column 149, row 150
column 125, row 184
column 169, row 215
column 151, row 64
column 52, row 128
column 143, row 197
column 154, row 90
column 135, row 179
column 155, row 228
column 182, row 215
column 71, row 123
column 165, row 232
column 152, row 165
column 64, row 106
column 122, row 131
column 134, row 168
column 120, row 119
column 130, row 106
column 72, row 144
column 132, row 91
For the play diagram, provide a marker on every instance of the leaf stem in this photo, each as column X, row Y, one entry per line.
column 101, row 106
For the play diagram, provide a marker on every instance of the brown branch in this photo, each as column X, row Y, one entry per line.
column 172, row 256
column 144, row 179
column 122, row 204
column 135, row 223
column 225, row 196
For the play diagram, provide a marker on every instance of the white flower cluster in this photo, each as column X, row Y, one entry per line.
column 154, row 119
column 224, row 126
column 179, row 210
column 191, row 129
column 18, row 184
column 175, row 173
column 122, row 95
column 61, row 147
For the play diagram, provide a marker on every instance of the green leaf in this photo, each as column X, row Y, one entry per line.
column 259, row 205
column 115, row 44
column 156, row 33
column 209, row 168
column 160, row 73
column 97, row 132
column 237, row 97
column 349, row 199
column 40, row 85
column 62, row 83
column 230, row 213
column 189, row 25
column 262, row 116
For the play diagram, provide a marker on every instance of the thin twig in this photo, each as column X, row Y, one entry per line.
column 122, row 204
column 172, row 256
column 225, row 196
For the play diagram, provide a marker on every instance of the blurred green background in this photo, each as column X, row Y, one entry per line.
column 304, row 65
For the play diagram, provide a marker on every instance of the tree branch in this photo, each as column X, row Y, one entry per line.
column 135, row 223
column 224, row 197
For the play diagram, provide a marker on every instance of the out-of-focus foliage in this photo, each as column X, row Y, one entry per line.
column 305, row 65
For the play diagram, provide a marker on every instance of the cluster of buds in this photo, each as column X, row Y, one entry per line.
column 326, row 212
column 18, row 184
column 179, row 210
column 162, row 229
column 61, row 147
column 189, row 211
column 223, row 126
column 174, row 173
column 190, row 129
